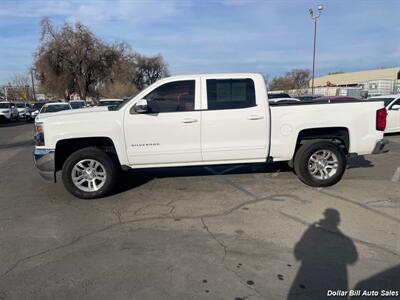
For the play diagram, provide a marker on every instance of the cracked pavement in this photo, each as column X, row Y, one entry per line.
column 220, row 232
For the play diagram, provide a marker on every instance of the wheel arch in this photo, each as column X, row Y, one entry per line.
column 337, row 135
column 65, row 147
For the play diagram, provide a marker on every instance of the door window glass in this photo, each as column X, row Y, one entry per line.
column 230, row 93
column 172, row 97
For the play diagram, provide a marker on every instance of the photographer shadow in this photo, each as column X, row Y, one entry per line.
column 324, row 252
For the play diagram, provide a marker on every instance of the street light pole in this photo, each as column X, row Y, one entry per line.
column 315, row 19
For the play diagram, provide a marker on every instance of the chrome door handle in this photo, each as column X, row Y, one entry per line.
column 255, row 117
column 189, row 120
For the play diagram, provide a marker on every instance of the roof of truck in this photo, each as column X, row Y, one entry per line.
column 215, row 75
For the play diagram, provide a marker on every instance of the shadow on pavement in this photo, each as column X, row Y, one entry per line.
column 358, row 162
column 25, row 143
column 386, row 283
column 14, row 124
column 324, row 252
column 134, row 178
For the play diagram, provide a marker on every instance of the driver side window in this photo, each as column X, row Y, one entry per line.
column 172, row 97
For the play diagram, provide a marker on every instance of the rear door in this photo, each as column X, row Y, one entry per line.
column 169, row 133
column 234, row 119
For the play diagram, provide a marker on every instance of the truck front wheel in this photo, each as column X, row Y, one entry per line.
column 89, row 173
column 319, row 164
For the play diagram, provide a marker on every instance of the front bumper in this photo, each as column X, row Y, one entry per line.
column 44, row 161
column 381, row 146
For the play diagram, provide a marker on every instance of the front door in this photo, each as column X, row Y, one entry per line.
column 169, row 132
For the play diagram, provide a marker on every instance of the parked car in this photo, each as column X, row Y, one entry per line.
column 23, row 108
column 8, row 111
column 308, row 98
column 110, row 102
column 283, row 100
column 171, row 123
column 274, row 95
column 392, row 104
column 76, row 104
column 54, row 107
column 34, row 111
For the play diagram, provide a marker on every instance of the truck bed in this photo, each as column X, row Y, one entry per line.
column 358, row 118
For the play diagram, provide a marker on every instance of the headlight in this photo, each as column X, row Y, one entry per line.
column 39, row 134
column 6, row 111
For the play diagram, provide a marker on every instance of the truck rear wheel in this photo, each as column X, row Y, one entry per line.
column 319, row 164
column 89, row 173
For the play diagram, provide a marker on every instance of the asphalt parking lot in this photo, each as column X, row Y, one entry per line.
column 224, row 232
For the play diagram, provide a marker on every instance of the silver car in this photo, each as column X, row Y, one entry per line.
column 8, row 111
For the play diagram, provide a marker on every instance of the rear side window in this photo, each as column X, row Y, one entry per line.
column 386, row 100
column 172, row 97
column 230, row 93
column 397, row 102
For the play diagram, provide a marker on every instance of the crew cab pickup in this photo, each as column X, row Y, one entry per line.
column 204, row 120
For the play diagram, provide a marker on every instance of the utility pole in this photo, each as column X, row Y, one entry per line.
column 33, row 85
column 315, row 19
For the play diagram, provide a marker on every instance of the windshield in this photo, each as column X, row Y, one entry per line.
column 76, row 105
column 4, row 105
column 54, row 108
column 386, row 100
column 37, row 106
column 20, row 105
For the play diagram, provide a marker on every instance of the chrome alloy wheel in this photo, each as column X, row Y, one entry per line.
column 323, row 164
column 89, row 175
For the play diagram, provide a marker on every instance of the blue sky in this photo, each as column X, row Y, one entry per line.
column 198, row 36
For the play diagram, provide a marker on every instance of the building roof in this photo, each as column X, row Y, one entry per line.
column 357, row 77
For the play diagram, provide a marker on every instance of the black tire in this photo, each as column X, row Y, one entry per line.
column 303, row 155
column 95, row 154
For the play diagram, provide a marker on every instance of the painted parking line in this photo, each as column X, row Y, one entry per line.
column 396, row 175
column 229, row 182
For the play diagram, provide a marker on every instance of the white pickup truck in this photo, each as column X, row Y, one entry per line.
column 204, row 120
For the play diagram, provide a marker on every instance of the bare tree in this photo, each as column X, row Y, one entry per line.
column 18, row 87
column 72, row 59
column 149, row 70
column 20, row 80
column 295, row 79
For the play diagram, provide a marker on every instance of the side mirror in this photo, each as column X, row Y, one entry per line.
column 395, row 107
column 141, row 106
